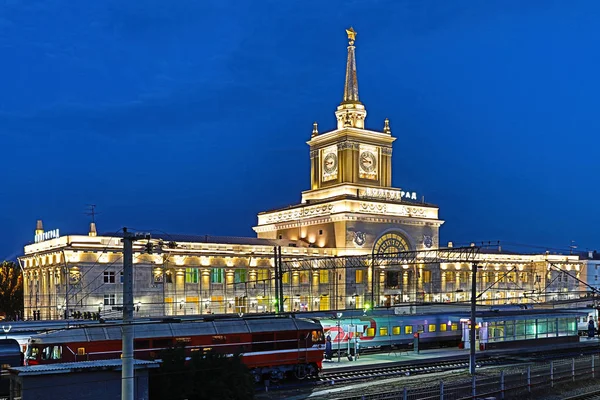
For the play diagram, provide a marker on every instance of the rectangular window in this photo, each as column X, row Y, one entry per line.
column 408, row 329
column 109, row 277
column 121, row 277
column 383, row 331
column 285, row 278
column 217, row 275
column 323, row 276
column 263, row 275
column 110, row 299
column 395, row 330
column 443, row 327
column 454, row 326
column 81, row 351
column 304, row 277
column 370, row 332
column 191, row 275
column 431, row 328
column 239, row 276
column 426, row 276
column 359, row 276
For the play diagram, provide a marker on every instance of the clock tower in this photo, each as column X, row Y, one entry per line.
column 351, row 206
column 349, row 157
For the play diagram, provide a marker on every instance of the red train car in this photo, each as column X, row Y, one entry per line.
column 272, row 347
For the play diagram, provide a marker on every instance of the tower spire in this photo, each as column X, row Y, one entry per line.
column 351, row 113
column 351, row 85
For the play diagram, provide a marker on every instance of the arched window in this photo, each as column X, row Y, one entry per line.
column 392, row 242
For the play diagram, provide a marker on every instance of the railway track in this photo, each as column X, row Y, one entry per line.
column 594, row 395
column 365, row 372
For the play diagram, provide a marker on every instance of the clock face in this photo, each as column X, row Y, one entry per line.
column 330, row 163
column 368, row 161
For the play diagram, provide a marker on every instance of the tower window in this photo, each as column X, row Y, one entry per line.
column 320, row 231
column 280, row 237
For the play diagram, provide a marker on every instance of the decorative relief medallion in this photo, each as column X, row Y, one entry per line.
column 360, row 238
column 428, row 241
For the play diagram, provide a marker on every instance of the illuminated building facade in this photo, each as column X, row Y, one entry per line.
column 350, row 209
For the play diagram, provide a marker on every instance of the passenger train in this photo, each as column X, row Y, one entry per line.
column 271, row 347
column 398, row 331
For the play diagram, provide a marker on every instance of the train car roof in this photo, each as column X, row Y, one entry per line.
column 528, row 314
column 182, row 329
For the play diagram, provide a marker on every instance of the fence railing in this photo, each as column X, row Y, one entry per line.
column 517, row 381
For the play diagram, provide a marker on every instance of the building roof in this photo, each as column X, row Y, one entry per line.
column 210, row 239
column 81, row 366
column 407, row 202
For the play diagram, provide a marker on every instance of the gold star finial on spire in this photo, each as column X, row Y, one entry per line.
column 351, row 35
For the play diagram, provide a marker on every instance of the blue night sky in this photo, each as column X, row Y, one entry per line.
column 192, row 116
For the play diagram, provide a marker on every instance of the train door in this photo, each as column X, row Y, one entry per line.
column 480, row 334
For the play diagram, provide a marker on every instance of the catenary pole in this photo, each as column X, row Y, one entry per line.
column 127, row 377
column 277, row 277
column 280, row 300
column 473, row 321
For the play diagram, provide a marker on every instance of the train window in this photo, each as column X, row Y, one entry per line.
column 395, row 330
column 52, row 353
column 431, row 328
column 370, row 332
column 32, row 353
column 454, row 326
column 408, row 329
column 383, row 331
column 443, row 327
column 317, row 336
column 81, row 351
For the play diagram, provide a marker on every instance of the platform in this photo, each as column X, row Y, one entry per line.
column 449, row 353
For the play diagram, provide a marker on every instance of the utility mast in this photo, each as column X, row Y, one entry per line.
column 127, row 373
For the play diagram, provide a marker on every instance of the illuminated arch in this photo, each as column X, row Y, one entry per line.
column 390, row 242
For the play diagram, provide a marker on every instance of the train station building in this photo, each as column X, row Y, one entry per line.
column 351, row 208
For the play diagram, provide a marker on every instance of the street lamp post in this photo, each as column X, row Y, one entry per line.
column 339, row 336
